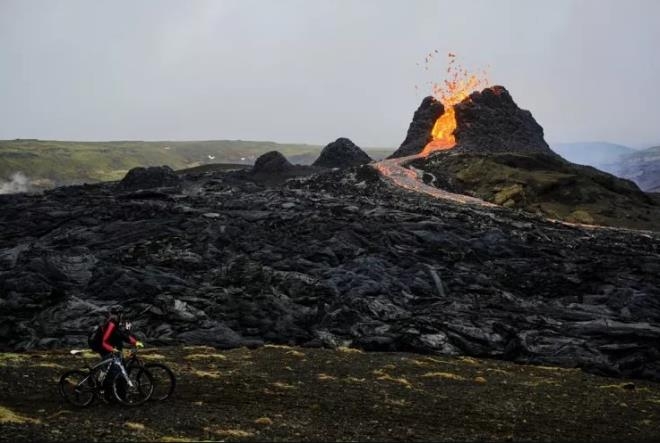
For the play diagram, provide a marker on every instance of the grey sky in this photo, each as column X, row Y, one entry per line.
column 312, row 71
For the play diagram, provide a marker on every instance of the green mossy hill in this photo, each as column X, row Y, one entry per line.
column 52, row 163
column 545, row 185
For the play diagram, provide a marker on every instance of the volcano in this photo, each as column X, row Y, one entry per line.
column 484, row 149
column 487, row 121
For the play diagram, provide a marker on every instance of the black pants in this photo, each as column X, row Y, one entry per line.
column 109, row 377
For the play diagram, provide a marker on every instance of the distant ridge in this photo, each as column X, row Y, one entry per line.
column 601, row 155
column 642, row 167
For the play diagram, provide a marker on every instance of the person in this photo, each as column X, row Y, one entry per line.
column 115, row 332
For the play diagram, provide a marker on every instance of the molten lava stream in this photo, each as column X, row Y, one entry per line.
column 394, row 169
column 442, row 132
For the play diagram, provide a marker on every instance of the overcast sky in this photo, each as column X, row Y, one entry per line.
column 312, row 71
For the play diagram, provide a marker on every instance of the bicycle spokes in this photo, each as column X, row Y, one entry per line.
column 133, row 388
column 77, row 387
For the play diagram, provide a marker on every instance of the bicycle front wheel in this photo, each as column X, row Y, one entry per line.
column 136, row 392
column 164, row 380
column 77, row 387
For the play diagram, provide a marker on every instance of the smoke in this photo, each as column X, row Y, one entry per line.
column 17, row 183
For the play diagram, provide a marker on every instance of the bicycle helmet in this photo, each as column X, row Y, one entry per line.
column 116, row 310
column 115, row 313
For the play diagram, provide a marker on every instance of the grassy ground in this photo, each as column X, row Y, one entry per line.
column 281, row 393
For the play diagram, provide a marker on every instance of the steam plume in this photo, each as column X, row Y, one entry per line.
column 17, row 183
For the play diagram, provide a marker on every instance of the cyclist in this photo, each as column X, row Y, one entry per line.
column 115, row 332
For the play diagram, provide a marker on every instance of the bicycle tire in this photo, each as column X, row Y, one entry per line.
column 69, row 388
column 161, row 373
column 137, row 395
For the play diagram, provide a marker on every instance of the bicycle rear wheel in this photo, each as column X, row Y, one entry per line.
column 77, row 387
column 163, row 379
column 140, row 391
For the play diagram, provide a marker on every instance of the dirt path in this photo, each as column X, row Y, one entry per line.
column 281, row 393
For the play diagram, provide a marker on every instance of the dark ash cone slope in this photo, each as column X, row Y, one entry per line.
column 419, row 131
column 490, row 121
column 271, row 162
column 272, row 169
column 148, row 178
column 486, row 121
column 342, row 153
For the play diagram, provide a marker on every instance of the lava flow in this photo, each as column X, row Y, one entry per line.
column 404, row 177
column 452, row 91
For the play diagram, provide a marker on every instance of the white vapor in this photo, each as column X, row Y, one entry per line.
column 17, row 183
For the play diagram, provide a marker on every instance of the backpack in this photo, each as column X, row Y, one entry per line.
column 95, row 338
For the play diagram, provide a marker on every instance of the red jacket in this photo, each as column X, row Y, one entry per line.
column 113, row 337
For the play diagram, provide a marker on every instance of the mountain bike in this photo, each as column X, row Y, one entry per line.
column 162, row 376
column 81, row 386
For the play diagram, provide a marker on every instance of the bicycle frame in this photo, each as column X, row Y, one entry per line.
column 91, row 382
column 113, row 360
column 101, row 363
column 133, row 359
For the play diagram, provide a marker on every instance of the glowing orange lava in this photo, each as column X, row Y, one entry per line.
column 451, row 92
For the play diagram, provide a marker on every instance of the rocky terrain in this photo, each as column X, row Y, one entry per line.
column 301, row 394
column 338, row 258
column 342, row 153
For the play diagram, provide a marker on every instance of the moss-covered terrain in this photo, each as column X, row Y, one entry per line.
column 49, row 163
column 302, row 394
column 545, row 185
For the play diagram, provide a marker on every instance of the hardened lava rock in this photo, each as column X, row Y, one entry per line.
column 342, row 153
